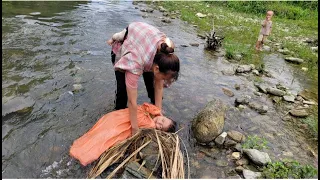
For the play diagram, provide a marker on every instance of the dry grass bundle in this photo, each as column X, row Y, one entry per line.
column 172, row 159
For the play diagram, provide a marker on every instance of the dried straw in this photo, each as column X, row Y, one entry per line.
column 172, row 159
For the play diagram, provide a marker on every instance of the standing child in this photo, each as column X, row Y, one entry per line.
column 265, row 30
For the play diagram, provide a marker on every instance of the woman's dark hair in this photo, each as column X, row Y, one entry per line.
column 167, row 61
column 172, row 127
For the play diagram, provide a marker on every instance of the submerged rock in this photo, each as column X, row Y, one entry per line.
column 258, row 107
column 209, row 122
column 228, row 92
column 17, row 104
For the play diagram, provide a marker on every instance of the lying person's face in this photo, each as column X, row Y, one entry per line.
column 162, row 123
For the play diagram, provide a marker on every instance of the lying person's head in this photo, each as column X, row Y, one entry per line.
column 165, row 124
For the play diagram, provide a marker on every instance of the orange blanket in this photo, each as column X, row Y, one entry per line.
column 111, row 128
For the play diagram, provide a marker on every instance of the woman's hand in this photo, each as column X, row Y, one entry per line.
column 134, row 131
column 110, row 42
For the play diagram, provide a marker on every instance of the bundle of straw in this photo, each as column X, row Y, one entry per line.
column 169, row 152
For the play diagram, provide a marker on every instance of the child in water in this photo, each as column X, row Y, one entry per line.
column 115, row 127
column 265, row 30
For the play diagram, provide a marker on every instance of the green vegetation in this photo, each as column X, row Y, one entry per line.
column 255, row 142
column 288, row 169
column 312, row 122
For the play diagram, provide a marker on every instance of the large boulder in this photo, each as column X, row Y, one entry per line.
column 209, row 123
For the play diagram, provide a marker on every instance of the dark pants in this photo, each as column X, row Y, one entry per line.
column 121, row 93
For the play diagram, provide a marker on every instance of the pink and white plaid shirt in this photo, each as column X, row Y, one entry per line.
column 139, row 48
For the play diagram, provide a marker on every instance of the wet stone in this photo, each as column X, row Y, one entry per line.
column 294, row 60
column 276, row 92
column 289, row 98
column 243, row 68
column 235, row 155
column 228, row 92
column 237, row 86
column 299, row 113
column 17, row 104
column 242, row 161
column 194, row 44
column 239, row 169
column 229, row 143
column 250, row 174
column 236, row 136
column 228, row 72
column 222, row 163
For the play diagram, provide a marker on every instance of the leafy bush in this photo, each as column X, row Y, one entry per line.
column 288, row 169
column 255, row 142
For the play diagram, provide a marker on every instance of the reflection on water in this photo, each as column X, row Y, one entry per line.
column 57, row 80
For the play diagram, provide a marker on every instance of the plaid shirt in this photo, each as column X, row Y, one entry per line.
column 137, row 52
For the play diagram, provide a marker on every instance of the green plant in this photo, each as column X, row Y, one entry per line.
column 255, row 142
column 288, row 169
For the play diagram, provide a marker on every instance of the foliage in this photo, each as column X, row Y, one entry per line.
column 255, row 142
column 312, row 122
column 288, row 169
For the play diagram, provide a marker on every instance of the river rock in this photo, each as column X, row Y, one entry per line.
column 284, row 51
column 228, row 92
column 244, row 68
column 236, row 176
column 261, row 87
column 262, row 109
column 255, row 72
column 299, row 112
column 222, row 163
column 17, row 104
column 289, row 98
column 242, row 161
column 250, row 174
column 237, row 57
column 134, row 171
column 276, row 92
column 314, row 49
column 229, row 143
column 194, row 44
column 236, row 136
column 200, row 15
column 77, row 87
column 239, row 169
column 309, row 102
column 150, row 155
column 266, row 48
column 257, row 93
column 257, row 157
column 241, row 100
column 237, row 86
column 166, row 20
column 237, row 147
column 294, row 60
column 149, row 10
column 221, row 138
column 161, row 9
column 228, row 72
column 235, row 155
column 209, row 122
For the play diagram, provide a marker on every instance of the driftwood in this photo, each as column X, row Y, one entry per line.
column 213, row 42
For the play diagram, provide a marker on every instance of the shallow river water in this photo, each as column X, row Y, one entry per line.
column 49, row 48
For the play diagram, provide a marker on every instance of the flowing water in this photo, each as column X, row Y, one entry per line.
column 51, row 48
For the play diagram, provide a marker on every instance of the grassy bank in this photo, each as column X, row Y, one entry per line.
column 239, row 23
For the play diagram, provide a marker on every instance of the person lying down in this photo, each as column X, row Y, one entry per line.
column 115, row 127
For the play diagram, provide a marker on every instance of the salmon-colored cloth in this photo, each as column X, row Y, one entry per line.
column 111, row 128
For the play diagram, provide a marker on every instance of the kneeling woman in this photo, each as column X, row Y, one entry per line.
column 115, row 127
